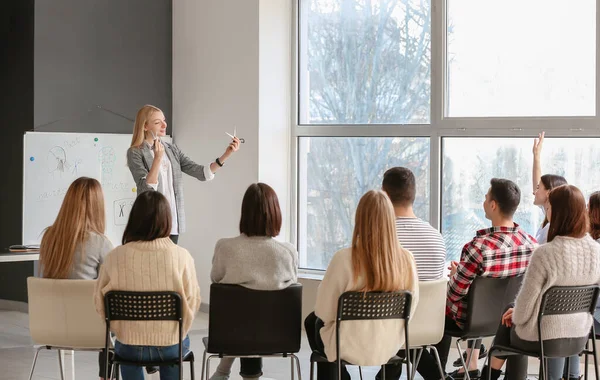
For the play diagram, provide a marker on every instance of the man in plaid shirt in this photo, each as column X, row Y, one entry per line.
column 501, row 251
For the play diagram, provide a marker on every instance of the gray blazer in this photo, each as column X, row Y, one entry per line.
column 140, row 161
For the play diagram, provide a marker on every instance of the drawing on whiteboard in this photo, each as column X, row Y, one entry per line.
column 121, row 209
column 57, row 160
column 107, row 158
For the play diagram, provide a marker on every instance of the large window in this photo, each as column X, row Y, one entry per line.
column 455, row 91
column 365, row 62
column 470, row 163
column 521, row 58
column 335, row 172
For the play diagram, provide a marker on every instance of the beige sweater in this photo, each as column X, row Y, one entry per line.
column 565, row 261
column 362, row 342
column 157, row 265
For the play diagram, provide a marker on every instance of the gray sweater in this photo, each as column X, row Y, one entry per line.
column 257, row 262
column 89, row 256
column 565, row 261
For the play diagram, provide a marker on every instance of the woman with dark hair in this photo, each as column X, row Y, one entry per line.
column 255, row 260
column 149, row 261
column 594, row 214
column 570, row 258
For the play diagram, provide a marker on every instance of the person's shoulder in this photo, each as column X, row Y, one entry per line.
column 229, row 243
column 288, row 247
column 99, row 240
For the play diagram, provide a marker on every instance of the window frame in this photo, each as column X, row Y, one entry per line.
column 440, row 125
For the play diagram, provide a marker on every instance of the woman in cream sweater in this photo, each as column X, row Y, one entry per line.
column 254, row 260
column 375, row 262
column 570, row 258
column 149, row 261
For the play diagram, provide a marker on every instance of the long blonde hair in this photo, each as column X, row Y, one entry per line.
column 82, row 211
column 142, row 117
column 379, row 262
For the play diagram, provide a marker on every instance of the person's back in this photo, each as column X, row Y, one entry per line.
column 257, row 262
column 426, row 245
column 75, row 246
column 419, row 237
column 149, row 261
column 147, row 266
column 89, row 256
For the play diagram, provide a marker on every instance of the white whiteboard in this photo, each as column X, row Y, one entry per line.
column 52, row 161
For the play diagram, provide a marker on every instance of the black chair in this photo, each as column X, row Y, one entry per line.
column 484, row 310
column 246, row 323
column 145, row 306
column 353, row 306
column 558, row 300
column 593, row 335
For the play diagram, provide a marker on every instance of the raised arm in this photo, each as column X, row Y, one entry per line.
column 537, row 165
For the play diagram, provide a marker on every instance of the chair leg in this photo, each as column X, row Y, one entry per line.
column 586, row 360
column 488, row 361
column 118, row 371
column 37, row 352
column 383, row 372
column 416, row 361
column 192, row 370
column 312, row 370
column 595, row 356
column 360, row 372
column 60, row 365
column 202, row 374
column 439, row 362
column 292, row 367
column 297, row 366
column 462, row 360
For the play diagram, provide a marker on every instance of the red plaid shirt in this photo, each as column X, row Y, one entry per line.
column 494, row 252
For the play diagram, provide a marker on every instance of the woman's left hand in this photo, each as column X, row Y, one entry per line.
column 233, row 146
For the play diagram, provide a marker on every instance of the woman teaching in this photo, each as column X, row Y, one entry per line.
column 158, row 165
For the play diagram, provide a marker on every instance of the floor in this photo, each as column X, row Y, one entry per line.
column 16, row 354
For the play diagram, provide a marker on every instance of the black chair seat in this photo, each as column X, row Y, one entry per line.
column 317, row 357
column 189, row 357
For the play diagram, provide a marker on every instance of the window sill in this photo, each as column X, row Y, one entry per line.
column 307, row 274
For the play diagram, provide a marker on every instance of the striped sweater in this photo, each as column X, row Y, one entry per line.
column 425, row 243
column 158, row 265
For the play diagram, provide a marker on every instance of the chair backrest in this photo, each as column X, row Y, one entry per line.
column 354, row 306
column 563, row 300
column 142, row 306
column 62, row 313
column 487, row 299
column 253, row 322
column 427, row 323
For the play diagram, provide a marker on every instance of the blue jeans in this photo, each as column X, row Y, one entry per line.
column 557, row 368
column 150, row 353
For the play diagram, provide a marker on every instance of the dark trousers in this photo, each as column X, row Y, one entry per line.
column 251, row 367
column 325, row 371
column 174, row 238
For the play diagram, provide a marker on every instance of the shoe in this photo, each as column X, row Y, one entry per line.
column 482, row 354
column 475, row 374
column 151, row 370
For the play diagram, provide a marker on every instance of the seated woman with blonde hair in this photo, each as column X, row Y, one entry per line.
column 375, row 262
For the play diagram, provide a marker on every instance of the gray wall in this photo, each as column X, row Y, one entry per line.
column 60, row 59
column 110, row 53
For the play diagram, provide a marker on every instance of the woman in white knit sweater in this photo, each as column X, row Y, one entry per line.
column 570, row 258
column 254, row 260
column 149, row 261
column 375, row 262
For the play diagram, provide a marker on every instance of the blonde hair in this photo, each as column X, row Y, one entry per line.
column 378, row 260
column 82, row 211
column 142, row 117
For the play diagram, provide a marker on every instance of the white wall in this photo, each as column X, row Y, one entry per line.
column 215, row 86
column 225, row 75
